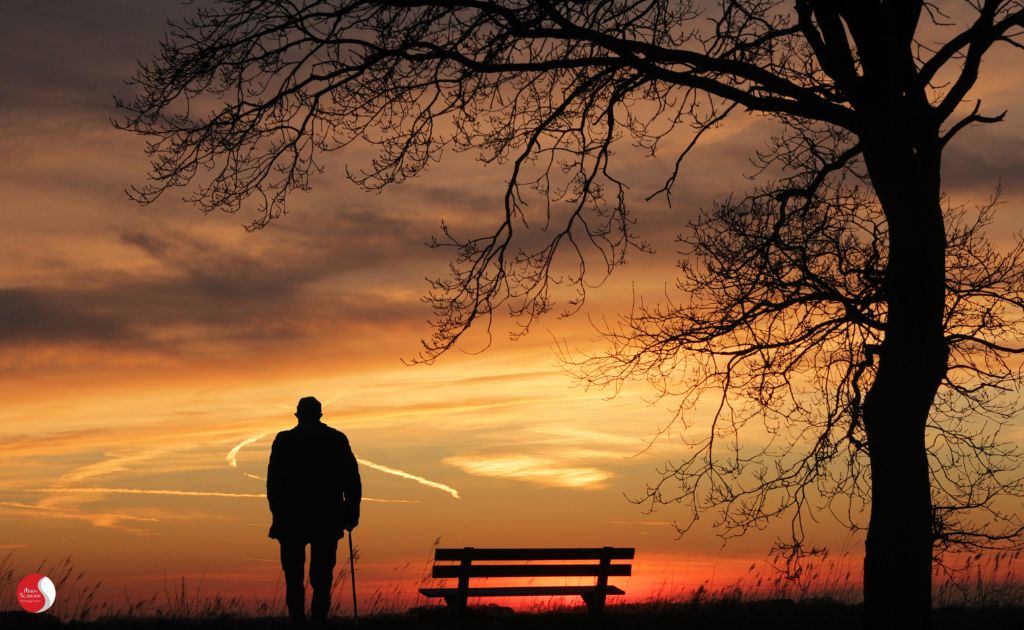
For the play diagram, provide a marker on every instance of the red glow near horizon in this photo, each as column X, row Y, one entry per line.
column 389, row 589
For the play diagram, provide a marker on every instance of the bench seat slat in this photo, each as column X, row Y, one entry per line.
column 456, row 554
column 530, row 570
column 503, row 591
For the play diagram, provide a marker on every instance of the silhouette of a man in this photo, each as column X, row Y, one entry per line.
column 314, row 490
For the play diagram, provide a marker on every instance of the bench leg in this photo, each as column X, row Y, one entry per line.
column 455, row 602
column 594, row 602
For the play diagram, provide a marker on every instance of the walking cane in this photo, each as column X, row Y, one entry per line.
column 352, row 572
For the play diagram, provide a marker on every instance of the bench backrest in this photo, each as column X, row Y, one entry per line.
column 602, row 568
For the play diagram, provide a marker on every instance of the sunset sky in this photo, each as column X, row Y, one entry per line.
column 148, row 355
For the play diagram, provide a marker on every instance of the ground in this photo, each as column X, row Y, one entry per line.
column 722, row 615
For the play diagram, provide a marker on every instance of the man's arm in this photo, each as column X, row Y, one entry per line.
column 352, row 486
column 276, row 476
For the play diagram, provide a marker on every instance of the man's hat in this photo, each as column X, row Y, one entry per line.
column 309, row 407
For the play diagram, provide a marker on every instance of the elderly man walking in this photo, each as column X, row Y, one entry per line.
column 314, row 490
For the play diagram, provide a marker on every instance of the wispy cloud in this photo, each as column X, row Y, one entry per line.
column 540, row 470
column 99, row 519
column 401, row 473
column 641, row 522
column 173, row 493
column 372, row 500
column 68, row 501
column 110, row 465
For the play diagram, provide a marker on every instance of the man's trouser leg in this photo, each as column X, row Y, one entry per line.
column 322, row 556
column 293, row 561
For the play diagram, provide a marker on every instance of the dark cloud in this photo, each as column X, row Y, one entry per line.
column 30, row 315
column 982, row 157
column 326, row 273
column 447, row 198
column 210, row 271
column 377, row 235
column 68, row 54
column 302, row 248
column 163, row 315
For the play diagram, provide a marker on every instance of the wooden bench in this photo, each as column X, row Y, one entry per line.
column 459, row 563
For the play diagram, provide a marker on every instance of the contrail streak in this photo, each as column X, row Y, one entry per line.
column 182, row 493
column 401, row 473
column 232, row 457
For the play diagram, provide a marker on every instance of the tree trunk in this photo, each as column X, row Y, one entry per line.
column 911, row 366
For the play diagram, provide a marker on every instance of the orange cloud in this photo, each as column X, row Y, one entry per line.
column 539, row 470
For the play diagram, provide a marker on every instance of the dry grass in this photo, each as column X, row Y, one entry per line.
column 983, row 591
column 983, row 580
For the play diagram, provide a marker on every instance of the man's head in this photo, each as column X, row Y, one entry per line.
column 308, row 410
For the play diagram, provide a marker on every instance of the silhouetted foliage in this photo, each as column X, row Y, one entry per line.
column 843, row 305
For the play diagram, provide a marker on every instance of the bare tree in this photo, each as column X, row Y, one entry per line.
column 781, row 318
column 840, row 301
